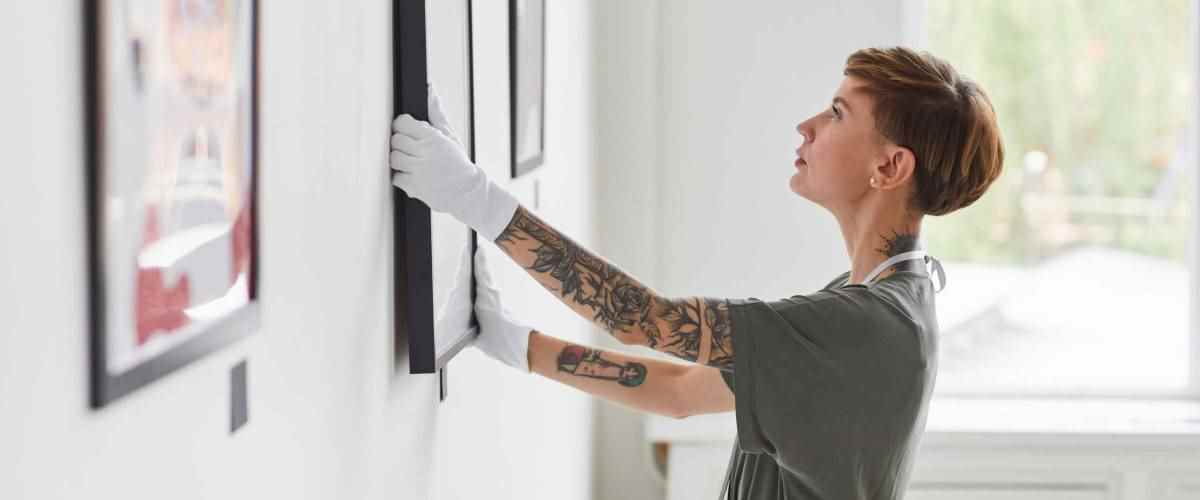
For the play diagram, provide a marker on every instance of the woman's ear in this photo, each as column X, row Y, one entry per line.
column 897, row 167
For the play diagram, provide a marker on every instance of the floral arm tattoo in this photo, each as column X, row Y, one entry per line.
column 695, row 329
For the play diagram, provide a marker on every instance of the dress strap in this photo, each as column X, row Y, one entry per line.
column 934, row 267
column 939, row 271
column 891, row 261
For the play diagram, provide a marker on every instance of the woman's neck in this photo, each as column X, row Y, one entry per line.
column 874, row 236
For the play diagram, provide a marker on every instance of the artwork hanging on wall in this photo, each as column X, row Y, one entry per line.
column 527, row 60
column 171, row 151
column 434, row 282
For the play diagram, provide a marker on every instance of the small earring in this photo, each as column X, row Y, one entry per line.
column 873, row 181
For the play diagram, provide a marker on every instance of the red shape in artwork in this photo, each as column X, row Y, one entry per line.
column 159, row 307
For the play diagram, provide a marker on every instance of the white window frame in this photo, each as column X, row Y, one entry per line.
column 915, row 35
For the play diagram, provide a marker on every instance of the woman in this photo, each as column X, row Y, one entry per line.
column 831, row 387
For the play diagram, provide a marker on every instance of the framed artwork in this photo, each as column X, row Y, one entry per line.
column 435, row 281
column 527, row 60
column 171, row 171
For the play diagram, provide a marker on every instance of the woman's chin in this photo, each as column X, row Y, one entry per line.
column 795, row 184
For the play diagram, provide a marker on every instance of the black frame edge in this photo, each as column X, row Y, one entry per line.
column 413, row 305
column 95, row 275
column 414, row 315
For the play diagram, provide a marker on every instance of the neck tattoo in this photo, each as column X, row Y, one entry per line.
column 896, row 244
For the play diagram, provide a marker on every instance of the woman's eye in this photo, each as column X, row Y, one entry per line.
column 835, row 112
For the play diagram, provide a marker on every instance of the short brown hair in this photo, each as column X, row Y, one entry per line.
column 925, row 105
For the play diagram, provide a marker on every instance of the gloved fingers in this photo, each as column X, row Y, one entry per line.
column 437, row 117
column 402, row 180
column 412, row 127
column 406, row 144
column 402, row 161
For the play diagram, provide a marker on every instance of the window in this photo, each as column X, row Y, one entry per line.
column 1073, row 275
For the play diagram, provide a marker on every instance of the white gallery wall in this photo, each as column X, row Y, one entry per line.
column 331, row 416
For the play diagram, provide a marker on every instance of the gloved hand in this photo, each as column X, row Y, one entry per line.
column 431, row 165
column 500, row 336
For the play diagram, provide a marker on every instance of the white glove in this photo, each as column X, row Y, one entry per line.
column 500, row 337
column 431, row 165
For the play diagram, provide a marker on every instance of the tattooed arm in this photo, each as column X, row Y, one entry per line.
column 696, row 329
column 650, row 385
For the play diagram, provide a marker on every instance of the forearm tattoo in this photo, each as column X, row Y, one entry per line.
column 616, row 301
column 584, row 362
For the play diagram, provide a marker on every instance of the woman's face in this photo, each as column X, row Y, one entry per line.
column 839, row 151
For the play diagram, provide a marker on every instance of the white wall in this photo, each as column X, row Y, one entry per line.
column 330, row 415
column 698, row 104
column 627, row 194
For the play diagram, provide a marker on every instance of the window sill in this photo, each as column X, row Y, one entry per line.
column 1068, row 422
column 963, row 422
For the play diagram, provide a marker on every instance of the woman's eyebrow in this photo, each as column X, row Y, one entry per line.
column 845, row 105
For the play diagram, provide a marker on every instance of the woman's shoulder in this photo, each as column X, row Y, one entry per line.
column 848, row 319
column 907, row 291
column 903, row 295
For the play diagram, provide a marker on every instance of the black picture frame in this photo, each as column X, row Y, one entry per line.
column 107, row 387
column 414, row 315
column 522, row 67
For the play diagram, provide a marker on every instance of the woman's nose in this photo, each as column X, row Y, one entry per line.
column 805, row 131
